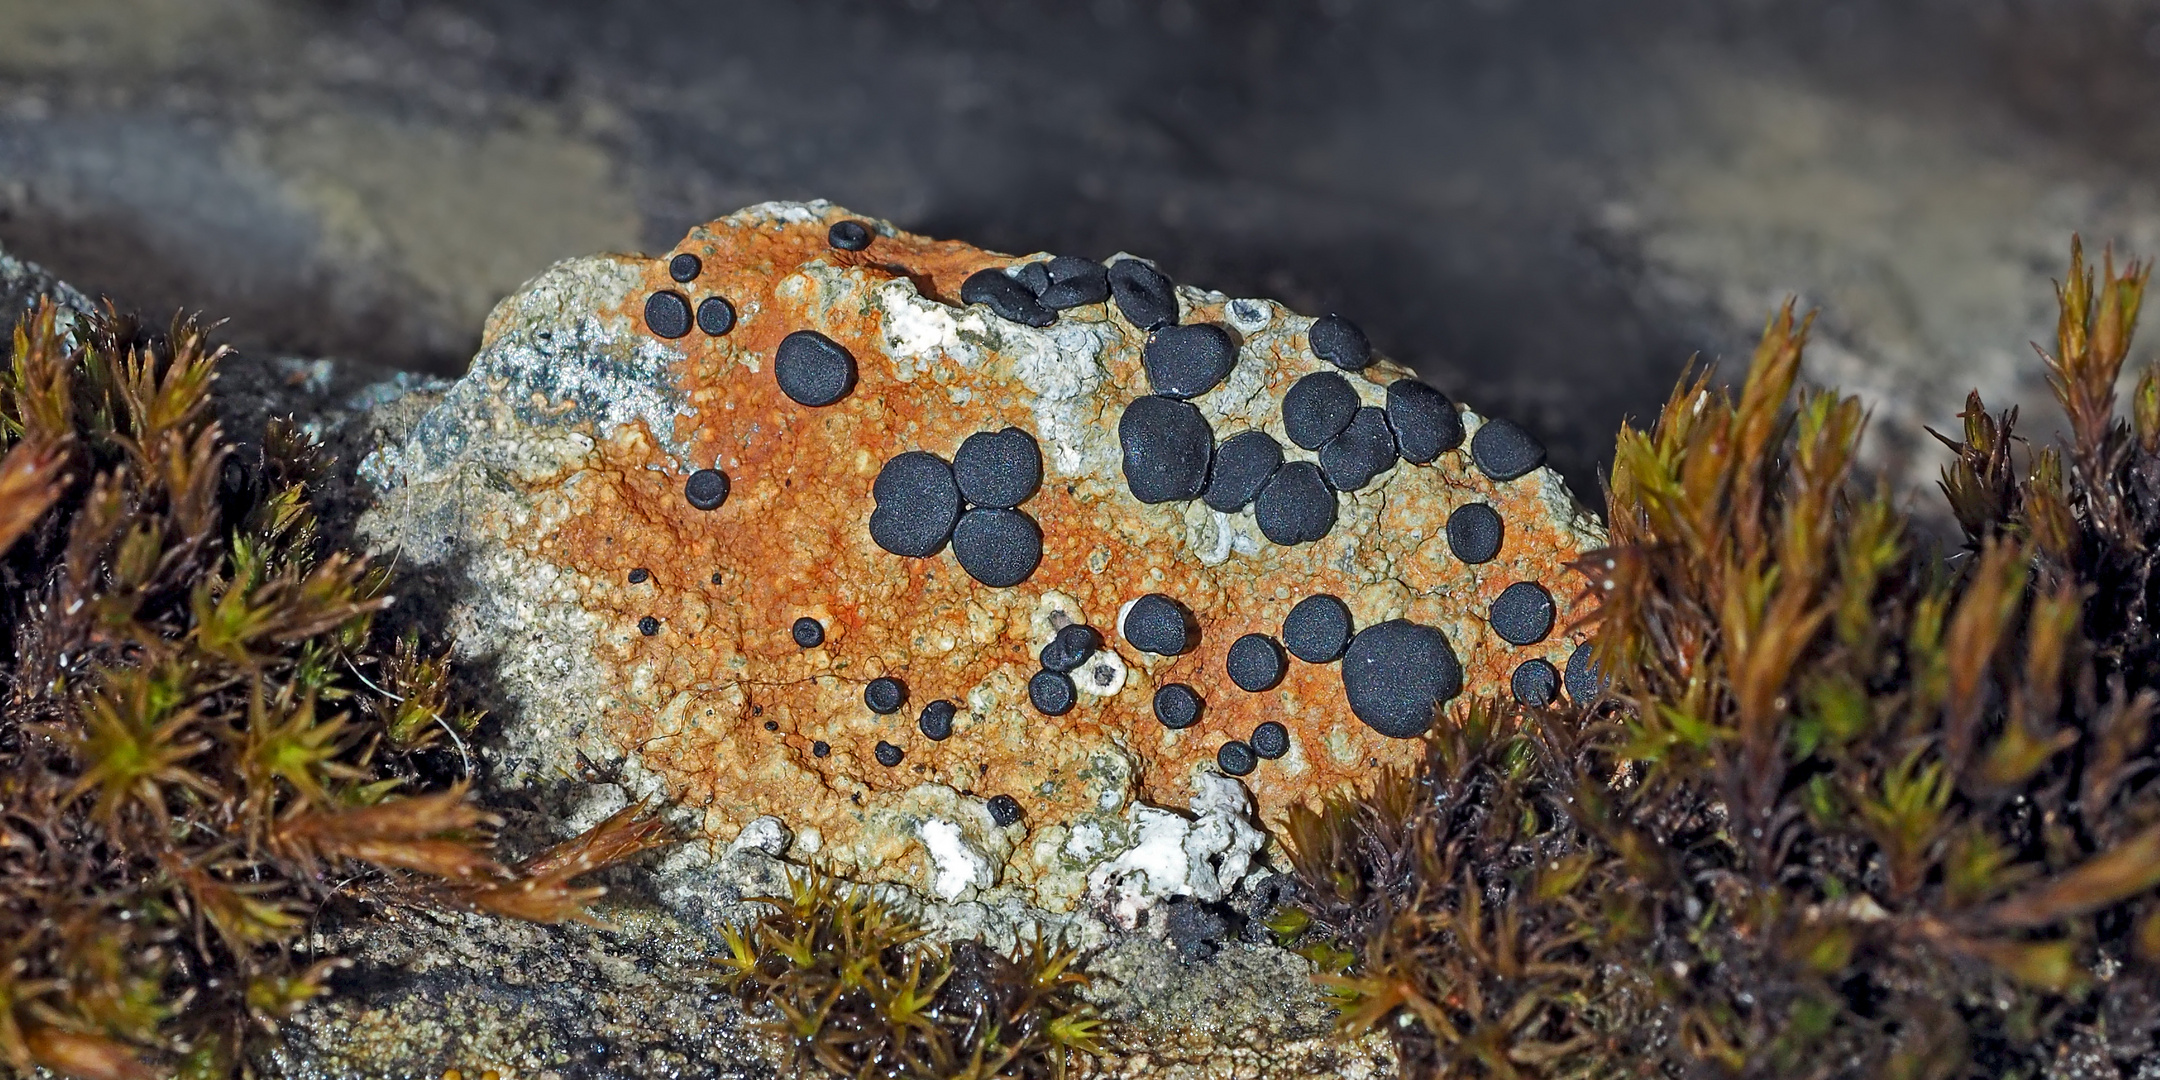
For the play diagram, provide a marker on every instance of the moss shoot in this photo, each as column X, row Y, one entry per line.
column 204, row 736
column 1852, row 806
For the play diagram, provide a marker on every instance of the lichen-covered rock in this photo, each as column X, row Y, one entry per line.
column 721, row 656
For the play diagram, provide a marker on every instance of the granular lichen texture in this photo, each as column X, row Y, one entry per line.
column 885, row 457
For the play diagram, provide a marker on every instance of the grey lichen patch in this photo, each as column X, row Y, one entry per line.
column 554, row 357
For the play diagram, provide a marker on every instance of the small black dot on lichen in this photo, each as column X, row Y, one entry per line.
column 648, row 626
column 820, row 748
column 639, row 576
column 772, row 725
column 1004, row 809
column 809, row 633
column 888, row 755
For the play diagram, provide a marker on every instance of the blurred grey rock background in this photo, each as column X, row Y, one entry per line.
column 1547, row 206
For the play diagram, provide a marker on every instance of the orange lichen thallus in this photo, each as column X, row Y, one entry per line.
column 833, row 364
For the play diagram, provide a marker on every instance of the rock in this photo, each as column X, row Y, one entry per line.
column 428, row 992
column 557, row 464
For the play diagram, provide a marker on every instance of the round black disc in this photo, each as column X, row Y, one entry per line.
column 667, row 313
column 1339, row 342
column 1071, row 647
column 1188, row 361
column 1363, row 451
column 706, row 489
column 1317, row 408
column 1584, row 683
column 1397, row 674
column 809, row 633
column 1317, row 630
column 1236, row 759
column 1052, row 693
column 1426, row 423
column 1474, row 532
column 813, row 369
column 1243, row 464
column 848, row 235
column 936, row 720
column 1167, row 446
column 1256, row 663
column 1157, row 624
column 918, row 503
column 885, row 695
column 1535, row 683
column 999, row 548
column 715, row 315
column 1177, row 705
column 1144, row 296
column 1504, row 451
column 998, row 468
column 1522, row 614
column 1270, row 740
column 1295, row 506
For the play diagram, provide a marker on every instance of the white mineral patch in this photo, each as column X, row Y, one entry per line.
column 1063, row 367
column 955, row 866
column 1203, row 856
column 1103, row 675
column 1250, row 316
column 919, row 332
column 766, row 834
column 793, row 213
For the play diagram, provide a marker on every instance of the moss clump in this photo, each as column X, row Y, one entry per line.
column 204, row 737
column 859, row 992
column 1851, row 807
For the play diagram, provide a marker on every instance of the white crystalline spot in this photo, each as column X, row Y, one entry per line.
column 766, row 834
column 1063, row 366
column 1250, row 316
column 1085, row 841
column 1204, row 856
column 957, row 866
column 1102, row 676
column 1224, row 833
column 919, row 329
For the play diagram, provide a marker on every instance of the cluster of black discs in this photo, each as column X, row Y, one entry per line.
column 886, row 695
column 1051, row 690
column 1170, row 452
column 1033, row 293
column 1395, row 673
column 668, row 312
column 921, row 503
column 1157, row 624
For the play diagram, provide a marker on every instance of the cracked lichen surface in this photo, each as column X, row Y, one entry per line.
column 570, row 440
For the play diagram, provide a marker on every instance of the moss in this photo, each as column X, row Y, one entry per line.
column 1852, row 806
column 855, row 987
column 205, row 737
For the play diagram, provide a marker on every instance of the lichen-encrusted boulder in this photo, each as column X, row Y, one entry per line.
column 706, row 501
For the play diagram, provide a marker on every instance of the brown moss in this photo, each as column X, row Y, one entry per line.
column 204, row 738
column 1851, row 807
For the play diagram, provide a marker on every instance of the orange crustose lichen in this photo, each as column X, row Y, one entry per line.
column 717, row 696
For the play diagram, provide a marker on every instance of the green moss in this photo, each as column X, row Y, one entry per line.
column 853, row 984
column 204, row 736
column 1852, row 806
